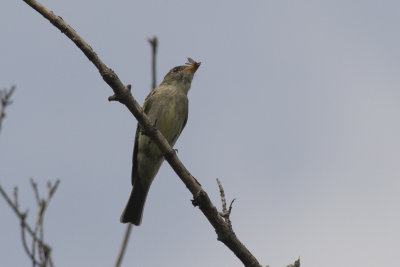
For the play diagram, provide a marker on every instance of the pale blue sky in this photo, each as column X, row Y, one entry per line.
column 295, row 108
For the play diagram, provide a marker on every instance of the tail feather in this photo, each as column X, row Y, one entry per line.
column 134, row 209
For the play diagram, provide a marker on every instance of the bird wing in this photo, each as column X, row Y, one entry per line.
column 146, row 107
column 186, row 112
column 134, row 157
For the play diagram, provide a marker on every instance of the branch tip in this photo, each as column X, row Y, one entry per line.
column 153, row 41
column 225, row 212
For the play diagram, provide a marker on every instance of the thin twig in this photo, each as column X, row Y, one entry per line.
column 124, row 245
column 30, row 254
column 123, row 94
column 5, row 96
column 35, row 190
column 21, row 216
column 154, row 45
column 16, row 203
column 11, row 204
column 222, row 193
column 225, row 212
column 37, row 224
column 43, row 250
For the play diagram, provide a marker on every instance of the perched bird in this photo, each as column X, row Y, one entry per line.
column 167, row 108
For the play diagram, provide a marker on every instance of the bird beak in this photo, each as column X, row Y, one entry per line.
column 193, row 67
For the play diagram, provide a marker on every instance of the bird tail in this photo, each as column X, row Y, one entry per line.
column 134, row 209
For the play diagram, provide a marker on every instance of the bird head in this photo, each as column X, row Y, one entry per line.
column 182, row 76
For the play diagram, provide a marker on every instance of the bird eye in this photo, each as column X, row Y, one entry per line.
column 176, row 69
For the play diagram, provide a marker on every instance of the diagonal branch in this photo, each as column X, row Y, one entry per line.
column 123, row 95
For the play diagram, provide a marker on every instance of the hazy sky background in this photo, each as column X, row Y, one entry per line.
column 295, row 108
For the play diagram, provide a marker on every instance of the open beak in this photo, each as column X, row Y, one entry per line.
column 193, row 67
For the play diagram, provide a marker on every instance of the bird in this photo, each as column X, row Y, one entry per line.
column 167, row 107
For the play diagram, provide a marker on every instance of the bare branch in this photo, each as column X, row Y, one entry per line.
column 38, row 246
column 30, row 254
column 12, row 205
column 38, row 224
column 5, row 96
column 123, row 95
